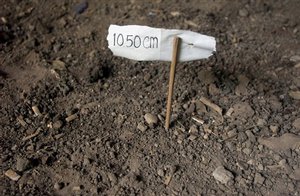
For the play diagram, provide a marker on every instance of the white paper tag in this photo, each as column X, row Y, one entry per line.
column 144, row 43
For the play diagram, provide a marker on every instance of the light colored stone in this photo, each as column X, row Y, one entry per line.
column 57, row 124
column 193, row 129
column 295, row 174
column 112, row 177
column 141, row 127
column 251, row 136
column 247, row 151
column 205, row 136
column 295, row 94
column 222, row 175
column 274, row 128
column 58, row 185
column 192, row 137
column 259, row 179
column 295, row 58
column 160, row 172
column 151, row 119
column 282, row 143
column 296, row 123
column 261, row 122
column 260, row 166
column 231, row 133
column 11, row 174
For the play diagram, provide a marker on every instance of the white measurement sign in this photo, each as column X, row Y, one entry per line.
column 144, row 43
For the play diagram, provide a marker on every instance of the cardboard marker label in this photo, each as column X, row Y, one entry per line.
column 143, row 43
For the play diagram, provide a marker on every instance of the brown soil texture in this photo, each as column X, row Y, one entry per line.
column 72, row 115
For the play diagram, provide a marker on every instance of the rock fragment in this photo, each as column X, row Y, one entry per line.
column 247, row 151
column 57, row 124
column 211, row 105
column 284, row 142
column 22, row 121
column 22, row 164
column 294, row 94
column 58, row 65
column 259, row 179
column 241, row 88
column 261, row 122
column 12, row 175
column 59, row 185
column 151, row 119
column 193, row 129
column 242, row 110
column 296, row 123
column 36, row 111
column 295, row 58
column 142, row 127
column 222, row 175
column 231, row 133
column 71, row 117
column 207, row 76
column 112, row 178
column 192, row 137
column 274, row 128
column 295, row 174
column 251, row 136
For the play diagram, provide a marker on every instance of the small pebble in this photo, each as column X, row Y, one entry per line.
column 22, row 164
column 251, row 162
column 296, row 123
column 193, row 129
column 191, row 108
column 71, row 117
column 229, row 112
column 295, row 58
column 59, row 185
column 161, row 172
column 76, row 188
column 112, row 177
column 251, row 136
column 205, row 136
column 142, row 127
column 12, row 175
column 259, row 179
column 231, row 133
column 57, row 124
column 274, row 128
column 36, row 110
column 222, row 175
column 56, row 48
column 261, row 122
column 151, row 119
column 192, row 137
column 260, row 166
column 260, row 147
column 247, row 151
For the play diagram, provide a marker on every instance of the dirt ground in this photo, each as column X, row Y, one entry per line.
column 74, row 119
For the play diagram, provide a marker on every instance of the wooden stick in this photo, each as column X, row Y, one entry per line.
column 171, row 80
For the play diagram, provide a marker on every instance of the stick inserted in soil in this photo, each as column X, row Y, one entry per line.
column 171, row 80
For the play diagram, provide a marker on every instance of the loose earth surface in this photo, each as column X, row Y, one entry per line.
column 76, row 120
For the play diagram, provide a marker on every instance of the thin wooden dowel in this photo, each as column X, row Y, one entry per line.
column 171, row 80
